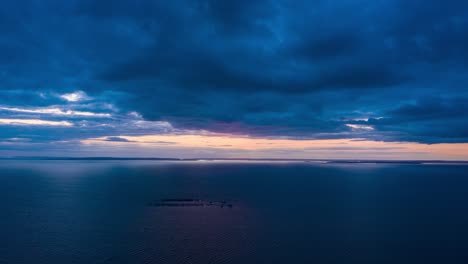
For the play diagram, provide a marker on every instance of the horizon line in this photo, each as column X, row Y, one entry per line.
column 235, row 159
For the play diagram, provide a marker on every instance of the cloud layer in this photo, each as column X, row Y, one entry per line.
column 377, row 70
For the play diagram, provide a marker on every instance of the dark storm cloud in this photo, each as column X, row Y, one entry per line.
column 301, row 69
column 255, row 56
column 117, row 139
column 431, row 120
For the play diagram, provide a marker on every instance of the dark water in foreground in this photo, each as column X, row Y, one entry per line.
column 99, row 212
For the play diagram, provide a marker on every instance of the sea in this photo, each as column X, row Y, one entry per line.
column 228, row 211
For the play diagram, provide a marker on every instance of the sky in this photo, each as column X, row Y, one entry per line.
column 344, row 79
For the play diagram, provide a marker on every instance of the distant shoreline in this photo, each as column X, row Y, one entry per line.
column 344, row 161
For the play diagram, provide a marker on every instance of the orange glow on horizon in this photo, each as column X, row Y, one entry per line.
column 352, row 148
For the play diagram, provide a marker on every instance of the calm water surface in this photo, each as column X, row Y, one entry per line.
column 99, row 212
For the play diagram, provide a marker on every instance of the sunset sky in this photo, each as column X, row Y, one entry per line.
column 348, row 79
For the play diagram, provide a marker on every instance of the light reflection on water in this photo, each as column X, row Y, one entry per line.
column 288, row 212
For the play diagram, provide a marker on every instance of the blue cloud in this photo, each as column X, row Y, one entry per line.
column 302, row 69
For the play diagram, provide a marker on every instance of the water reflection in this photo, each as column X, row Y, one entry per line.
column 296, row 212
